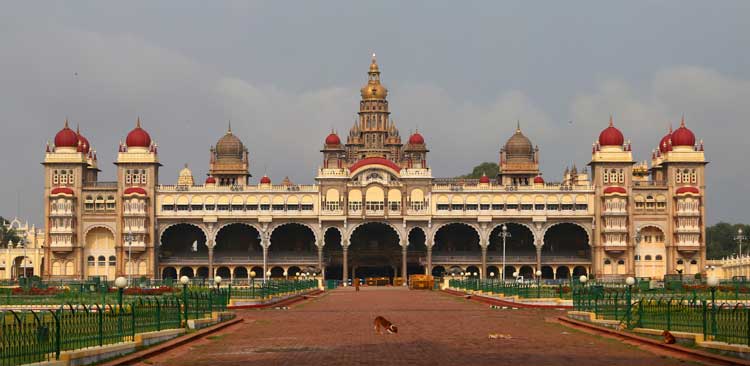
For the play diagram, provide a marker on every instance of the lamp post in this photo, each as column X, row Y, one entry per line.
column 184, row 280
column 712, row 282
column 252, row 283
column 217, row 282
column 505, row 235
column 120, row 283
column 630, row 281
column 740, row 237
column 538, row 284
column 22, row 242
column 129, row 239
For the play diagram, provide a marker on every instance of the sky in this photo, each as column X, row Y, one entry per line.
column 286, row 73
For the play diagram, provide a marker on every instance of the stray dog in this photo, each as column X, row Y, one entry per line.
column 381, row 323
column 668, row 337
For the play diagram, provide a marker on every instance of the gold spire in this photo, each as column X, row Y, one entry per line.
column 374, row 65
column 518, row 125
column 682, row 122
column 66, row 122
column 138, row 122
column 229, row 129
column 611, row 121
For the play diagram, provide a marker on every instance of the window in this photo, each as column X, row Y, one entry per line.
column 70, row 177
column 90, row 260
column 89, row 203
column 265, row 207
column 277, row 207
column 607, row 261
column 620, row 262
column 238, row 207
column 211, row 207
column 183, row 207
column 680, row 261
column 539, row 207
column 292, row 207
column 55, row 178
column 648, row 257
column 112, row 260
column 511, row 207
column 553, row 207
column 497, row 207
column 396, row 206
column 63, row 179
column 167, row 207
column 567, row 207
column 582, row 206
column 307, row 207
column 443, row 207
column 196, row 207
column 143, row 176
column 111, row 203
column 637, row 257
column 527, row 207
column 484, row 206
column 102, row 261
column 658, row 257
column 223, row 207
column 693, row 261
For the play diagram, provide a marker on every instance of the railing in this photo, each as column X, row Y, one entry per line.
column 276, row 188
column 658, row 183
column 512, row 288
column 257, row 289
column 100, row 185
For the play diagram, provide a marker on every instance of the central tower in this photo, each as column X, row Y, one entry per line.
column 373, row 134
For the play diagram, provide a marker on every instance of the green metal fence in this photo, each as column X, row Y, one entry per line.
column 524, row 290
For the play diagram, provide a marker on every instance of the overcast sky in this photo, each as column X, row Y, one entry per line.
column 286, row 73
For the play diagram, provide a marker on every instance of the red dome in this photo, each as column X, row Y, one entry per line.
column 66, row 137
column 416, row 139
column 611, row 136
column 688, row 190
column 615, row 190
column 265, row 180
column 666, row 142
column 484, row 179
column 379, row 161
column 138, row 137
column 333, row 139
column 134, row 190
column 210, row 180
column 538, row 179
column 683, row 136
column 61, row 190
column 83, row 144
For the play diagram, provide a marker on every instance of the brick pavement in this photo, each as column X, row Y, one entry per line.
column 434, row 329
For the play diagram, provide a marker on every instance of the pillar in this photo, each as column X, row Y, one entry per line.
column 320, row 261
column 483, row 269
column 265, row 261
column 403, row 263
column 429, row 261
column 345, row 264
column 538, row 259
column 211, row 261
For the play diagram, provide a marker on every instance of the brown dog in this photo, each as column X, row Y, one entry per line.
column 381, row 323
column 668, row 337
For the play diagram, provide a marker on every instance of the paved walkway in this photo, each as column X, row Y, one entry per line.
column 434, row 329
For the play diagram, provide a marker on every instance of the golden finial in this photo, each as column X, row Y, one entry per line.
column 611, row 121
column 66, row 122
column 518, row 125
column 229, row 129
column 138, row 122
column 682, row 122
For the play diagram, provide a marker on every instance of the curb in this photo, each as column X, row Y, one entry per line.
column 153, row 351
column 693, row 354
column 493, row 301
column 287, row 301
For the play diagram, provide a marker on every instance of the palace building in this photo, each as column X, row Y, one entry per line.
column 376, row 210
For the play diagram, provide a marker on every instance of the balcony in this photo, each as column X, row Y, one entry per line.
column 651, row 184
column 61, row 246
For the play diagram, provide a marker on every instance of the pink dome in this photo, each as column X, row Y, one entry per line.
column 66, row 137
column 210, row 180
column 265, row 180
column 333, row 139
column 416, row 139
column 683, row 136
column 538, row 179
column 484, row 179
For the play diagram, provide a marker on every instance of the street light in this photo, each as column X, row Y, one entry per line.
column 538, row 285
column 630, row 281
column 740, row 237
column 184, row 280
column 252, row 283
column 583, row 279
column 120, row 283
column 217, row 281
column 505, row 235
column 129, row 239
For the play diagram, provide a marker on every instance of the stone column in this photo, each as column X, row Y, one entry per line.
column 483, row 270
column 538, row 259
column 403, row 263
column 265, row 262
column 211, row 261
column 345, row 264
column 320, row 262
column 428, row 270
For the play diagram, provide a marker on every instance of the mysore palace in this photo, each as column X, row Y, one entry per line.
column 376, row 210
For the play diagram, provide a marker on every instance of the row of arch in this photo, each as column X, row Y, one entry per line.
column 238, row 200
column 511, row 199
column 526, row 271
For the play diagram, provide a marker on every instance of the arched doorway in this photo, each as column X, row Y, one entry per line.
column 438, row 271
column 562, row 273
column 415, row 250
column 493, row 272
column 235, row 241
column 332, row 253
column 240, row 273
column 169, row 272
column 456, row 244
column 277, row 272
column 100, row 243
column 202, row 272
column 547, row 273
column 292, row 244
column 183, row 243
column 650, row 253
column 187, row 271
column 567, row 240
column 519, row 246
column 374, row 251
column 224, row 273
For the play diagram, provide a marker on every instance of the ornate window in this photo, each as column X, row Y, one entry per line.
column 90, row 261
column 648, row 257
column 658, row 257
column 102, row 261
column 112, row 260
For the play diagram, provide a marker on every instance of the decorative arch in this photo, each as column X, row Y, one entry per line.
column 312, row 230
column 351, row 231
column 526, row 225
column 475, row 227
column 97, row 226
column 163, row 229
column 585, row 229
column 250, row 225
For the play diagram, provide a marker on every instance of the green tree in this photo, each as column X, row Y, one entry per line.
column 721, row 242
column 7, row 234
column 486, row 168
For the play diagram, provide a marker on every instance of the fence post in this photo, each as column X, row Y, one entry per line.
column 100, row 316
column 158, row 315
column 617, row 305
column 58, row 333
column 640, row 313
column 669, row 314
column 705, row 315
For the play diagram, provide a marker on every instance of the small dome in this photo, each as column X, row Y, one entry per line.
column 210, row 180
column 138, row 137
column 66, row 137
column 416, row 139
column 333, row 139
column 611, row 136
column 229, row 146
column 519, row 146
column 265, row 180
column 484, row 179
column 538, row 180
column 683, row 136
column 83, row 143
column 373, row 91
column 186, row 177
column 666, row 142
